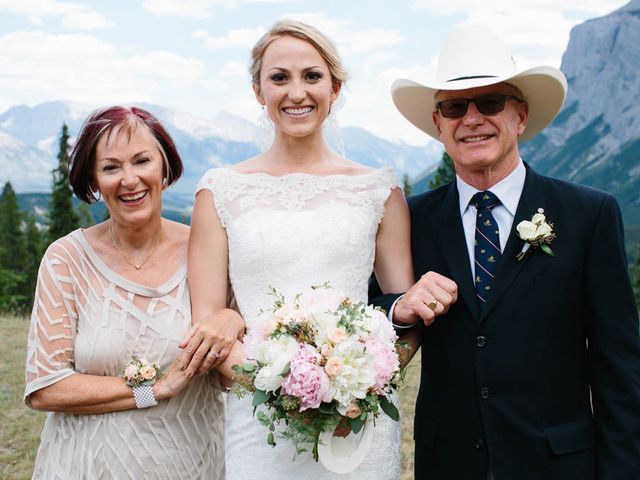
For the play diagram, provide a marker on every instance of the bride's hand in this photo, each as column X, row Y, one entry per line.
column 208, row 343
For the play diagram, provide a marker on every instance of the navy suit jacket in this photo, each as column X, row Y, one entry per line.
column 545, row 382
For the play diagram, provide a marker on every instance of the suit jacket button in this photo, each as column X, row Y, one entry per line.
column 479, row 442
column 484, row 392
column 481, row 341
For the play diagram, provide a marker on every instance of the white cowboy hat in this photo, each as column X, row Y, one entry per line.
column 474, row 56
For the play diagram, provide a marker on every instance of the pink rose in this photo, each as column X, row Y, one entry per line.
column 148, row 372
column 337, row 334
column 353, row 410
column 333, row 366
column 326, row 350
column 383, row 360
column 307, row 380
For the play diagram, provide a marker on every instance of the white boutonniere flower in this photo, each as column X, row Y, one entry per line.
column 537, row 232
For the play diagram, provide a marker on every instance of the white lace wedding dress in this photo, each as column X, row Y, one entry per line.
column 293, row 232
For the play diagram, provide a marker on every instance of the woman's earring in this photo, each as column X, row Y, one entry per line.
column 96, row 195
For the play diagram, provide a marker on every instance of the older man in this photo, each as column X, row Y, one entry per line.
column 535, row 372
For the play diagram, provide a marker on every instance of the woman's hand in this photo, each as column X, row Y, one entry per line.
column 172, row 382
column 208, row 343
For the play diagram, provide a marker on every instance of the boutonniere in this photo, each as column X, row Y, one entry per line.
column 536, row 232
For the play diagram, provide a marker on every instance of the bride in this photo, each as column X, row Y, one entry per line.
column 295, row 216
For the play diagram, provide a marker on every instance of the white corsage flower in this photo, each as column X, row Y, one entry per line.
column 536, row 232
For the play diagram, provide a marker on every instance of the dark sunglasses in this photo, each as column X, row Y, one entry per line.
column 488, row 104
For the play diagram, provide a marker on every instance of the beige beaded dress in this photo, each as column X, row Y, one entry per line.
column 89, row 319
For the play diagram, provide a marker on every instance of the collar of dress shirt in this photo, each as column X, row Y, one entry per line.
column 508, row 190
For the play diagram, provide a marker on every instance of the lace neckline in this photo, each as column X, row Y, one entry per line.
column 293, row 175
column 129, row 285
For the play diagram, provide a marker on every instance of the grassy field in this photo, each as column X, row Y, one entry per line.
column 20, row 427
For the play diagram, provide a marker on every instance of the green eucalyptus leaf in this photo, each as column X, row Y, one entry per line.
column 260, row 397
column 389, row 408
column 356, row 424
column 546, row 249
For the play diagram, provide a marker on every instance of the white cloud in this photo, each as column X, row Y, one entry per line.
column 85, row 69
column 167, row 65
column 85, row 21
column 235, row 69
column 347, row 37
column 239, row 38
column 199, row 9
column 179, row 8
column 74, row 15
column 517, row 8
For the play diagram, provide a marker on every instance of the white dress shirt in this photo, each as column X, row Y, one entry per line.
column 508, row 190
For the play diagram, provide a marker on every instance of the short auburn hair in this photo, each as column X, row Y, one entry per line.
column 115, row 119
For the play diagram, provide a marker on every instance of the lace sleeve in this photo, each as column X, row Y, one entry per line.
column 387, row 181
column 212, row 181
column 50, row 352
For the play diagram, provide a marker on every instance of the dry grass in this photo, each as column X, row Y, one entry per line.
column 20, row 427
column 407, row 407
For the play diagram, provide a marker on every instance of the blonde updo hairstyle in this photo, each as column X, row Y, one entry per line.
column 307, row 33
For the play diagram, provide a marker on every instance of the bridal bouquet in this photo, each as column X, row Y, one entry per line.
column 320, row 361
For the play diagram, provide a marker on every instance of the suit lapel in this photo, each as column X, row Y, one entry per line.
column 509, row 267
column 452, row 244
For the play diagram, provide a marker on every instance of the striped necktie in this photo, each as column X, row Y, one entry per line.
column 487, row 244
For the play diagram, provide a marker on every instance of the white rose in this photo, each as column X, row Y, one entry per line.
column 543, row 230
column 131, row 371
column 268, row 379
column 378, row 325
column 356, row 375
column 321, row 299
column 275, row 354
column 538, row 218
column 527, row 230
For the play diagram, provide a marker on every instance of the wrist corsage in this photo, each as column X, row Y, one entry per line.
column 138, row 373
column 536, row 232
column 140, row 376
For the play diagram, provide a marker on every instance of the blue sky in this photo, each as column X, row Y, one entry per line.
column 192, row 55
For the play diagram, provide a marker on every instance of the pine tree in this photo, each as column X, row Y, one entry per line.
column 85, row 217
column 12, row 244
column 12, row 253
column 34, row 249
column 407, row 186
column 635, row 277
column 62, row 216
column 446, row 172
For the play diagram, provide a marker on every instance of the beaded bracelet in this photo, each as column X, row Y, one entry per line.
column 143, row 396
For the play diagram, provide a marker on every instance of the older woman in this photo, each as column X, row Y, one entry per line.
column 109, row 298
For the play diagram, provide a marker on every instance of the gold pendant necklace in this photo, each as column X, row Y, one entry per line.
column 137, row 266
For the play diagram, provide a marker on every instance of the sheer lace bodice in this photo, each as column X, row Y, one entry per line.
column 293, row 232
column 88, row 319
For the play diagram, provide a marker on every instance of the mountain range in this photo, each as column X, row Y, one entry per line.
column 595, row 140
column 29, row 143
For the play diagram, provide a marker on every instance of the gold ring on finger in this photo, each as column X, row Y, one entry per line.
column 433, row 304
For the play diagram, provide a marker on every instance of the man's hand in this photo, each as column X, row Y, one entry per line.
column 429, row 297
